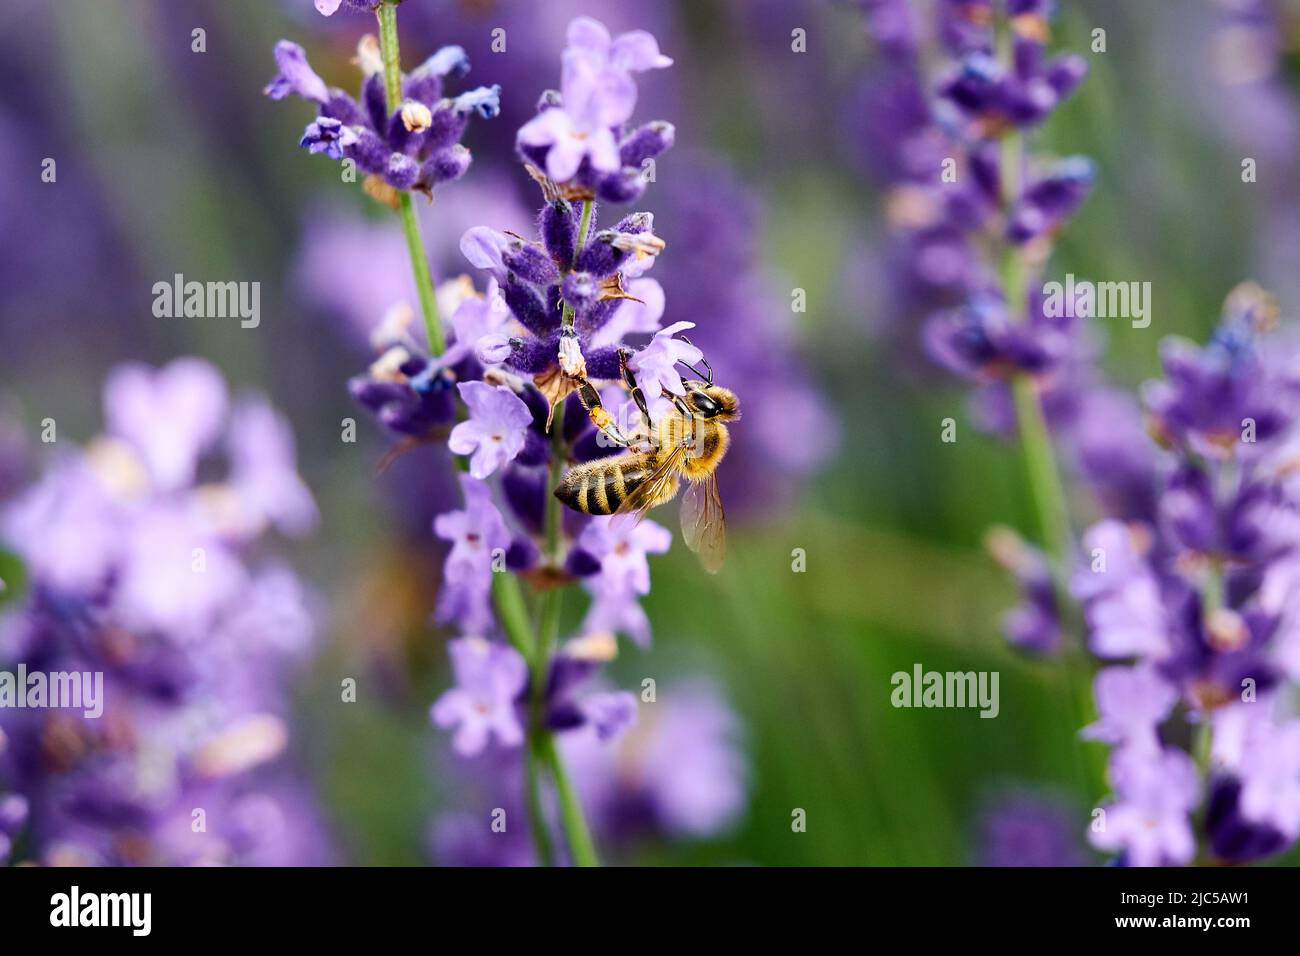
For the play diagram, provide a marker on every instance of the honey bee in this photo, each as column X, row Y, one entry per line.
column 688, row 443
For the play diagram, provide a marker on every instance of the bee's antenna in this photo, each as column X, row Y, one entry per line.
column 703, row 361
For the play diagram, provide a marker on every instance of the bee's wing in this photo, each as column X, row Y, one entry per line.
column 704, row 523
column 647, row 494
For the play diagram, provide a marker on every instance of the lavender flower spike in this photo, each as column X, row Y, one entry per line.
column 580, row 135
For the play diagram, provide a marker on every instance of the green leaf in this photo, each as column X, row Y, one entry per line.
column 13, row 578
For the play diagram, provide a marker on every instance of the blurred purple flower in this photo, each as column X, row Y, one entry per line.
column 264, row 471
column 171, row 416
column 621, row 549
column 680, row 771
column 1024, row 829
column 137, row 573
column 475, row 533
column 1131, row 703
column 489, row 678
column 1149, row 820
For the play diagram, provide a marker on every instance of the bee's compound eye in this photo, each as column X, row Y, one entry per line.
column 705, row 405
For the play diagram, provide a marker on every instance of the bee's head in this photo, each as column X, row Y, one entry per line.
column 712, row 401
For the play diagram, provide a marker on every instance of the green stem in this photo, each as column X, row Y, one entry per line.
column 581, row 847
column 1046, row 488
column 541, row 743
column 584, row 223
column 534, row 760
column 509, row 601
column 391, row 54
column 1040, row 459
column 507, row 598
column 1045, row 484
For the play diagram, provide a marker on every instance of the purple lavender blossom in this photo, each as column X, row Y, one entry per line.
column 489, row 678
column 496, row 429
column 1221, row 399
column 679, row 772
column 140, row 574
column 529, row 276
column 170, row 416
column 477, row 533
column 1150, row 819
column 579, row 135
column 1131, row 702
column 413, row 145
column 624, row 575
column 655, row 366
column 1025, row 829
column 1121, row 595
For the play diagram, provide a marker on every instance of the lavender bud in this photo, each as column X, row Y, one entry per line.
column 599, row 257
column 636, row 222
column 522, row 554
column 344, row 109
column 579, row 290
column 369, row 152
column 527, row 305
column 375, row 101
column 646, row 142
column 559, row 230
column 1065, row 73
column 530, row 263
column 446, row 165
column 401, row 172
column 625, row 186
column 532, row 355
column 446, row 126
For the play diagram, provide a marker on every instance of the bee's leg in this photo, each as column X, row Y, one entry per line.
column 703, row 361
column 638, row 396
column 590, row 399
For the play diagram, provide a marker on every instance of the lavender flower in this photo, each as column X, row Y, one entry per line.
column 620, row 552
column 578, row 136
column 679, row 772
column 329, row 7
column 655, row 365
column 1131, row 702
column 594, row 289
column 496, row 430
column 140, row 574
column 1150, row 819
column 489, row 678
column 409, row 146
column 476, row 533
column 1025, row 829
column 555, row 316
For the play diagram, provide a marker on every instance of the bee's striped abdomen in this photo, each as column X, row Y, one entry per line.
column 599, row 487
